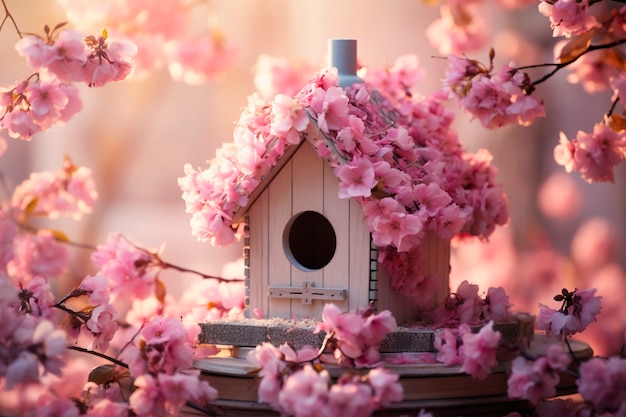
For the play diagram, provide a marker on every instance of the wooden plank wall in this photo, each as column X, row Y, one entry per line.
column 306, row 183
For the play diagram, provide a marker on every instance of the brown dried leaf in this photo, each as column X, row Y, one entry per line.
column 59, row 235
column 102, row 374
column 617, row 122
column 575, row 47
column 160, row 291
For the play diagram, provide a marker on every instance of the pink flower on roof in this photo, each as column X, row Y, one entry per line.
column 356, row 179
column 331, row 107
column 290, row 118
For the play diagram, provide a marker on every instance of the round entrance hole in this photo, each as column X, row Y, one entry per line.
column 309, row 240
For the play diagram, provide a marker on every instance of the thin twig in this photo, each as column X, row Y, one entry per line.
column 560, row 65
column 100, row 355
column 9, row 16
column 191, row 271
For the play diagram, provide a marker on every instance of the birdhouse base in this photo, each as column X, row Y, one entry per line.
column 298, row 333
column 440, row 389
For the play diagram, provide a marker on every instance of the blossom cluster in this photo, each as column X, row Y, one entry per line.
column 465, row 25
column 30, row 343
column 355, row 337
column 475, row 352
column 496, row 99
column 578, row 310
column 164, row 35
column 391, row 150
column 160, row 361
column 293, row 383
column 61, row 58
column 68, row 192
column 593, row 154
column 537, row 380
column 35, row 341
column 465, row 305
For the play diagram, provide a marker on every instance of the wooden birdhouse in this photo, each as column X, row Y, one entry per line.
column 349, row 193
column 307, row 247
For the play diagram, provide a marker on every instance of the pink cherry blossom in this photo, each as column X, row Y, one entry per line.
column 108, row 408
column 448, row 342
column 357, row 336
column 130, row 270
column 578, row 310
column 592, row 154
column 385, row 385
column 70, row 191
column 495, row 99
column 50, row 406
column 38, row 295
column 602, row 383
column 497, row 304
column 46, row 103
column 350, row 399
column 97, row 288
column 197, row 60
column 357, row 180
column 331, row 107
column 479, row 351
column 537, row 380
column 102, row 324
column 147, row 399
column 593, row 71
column 303, row 391
column 568, row 17
column 181, row 387
column 290, row 118
column 461, row 28
column 462, row 306
column 37, row 255
column 274, row 75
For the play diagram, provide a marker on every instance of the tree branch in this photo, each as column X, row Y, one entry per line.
column 560, row 65
column 100, row 355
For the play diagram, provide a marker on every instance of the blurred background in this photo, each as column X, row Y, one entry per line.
column 137, row 135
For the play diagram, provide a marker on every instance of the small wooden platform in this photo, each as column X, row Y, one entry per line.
column 440, row 389
column 251, row 332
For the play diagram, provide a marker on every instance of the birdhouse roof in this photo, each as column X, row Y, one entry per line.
column 393, row 151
